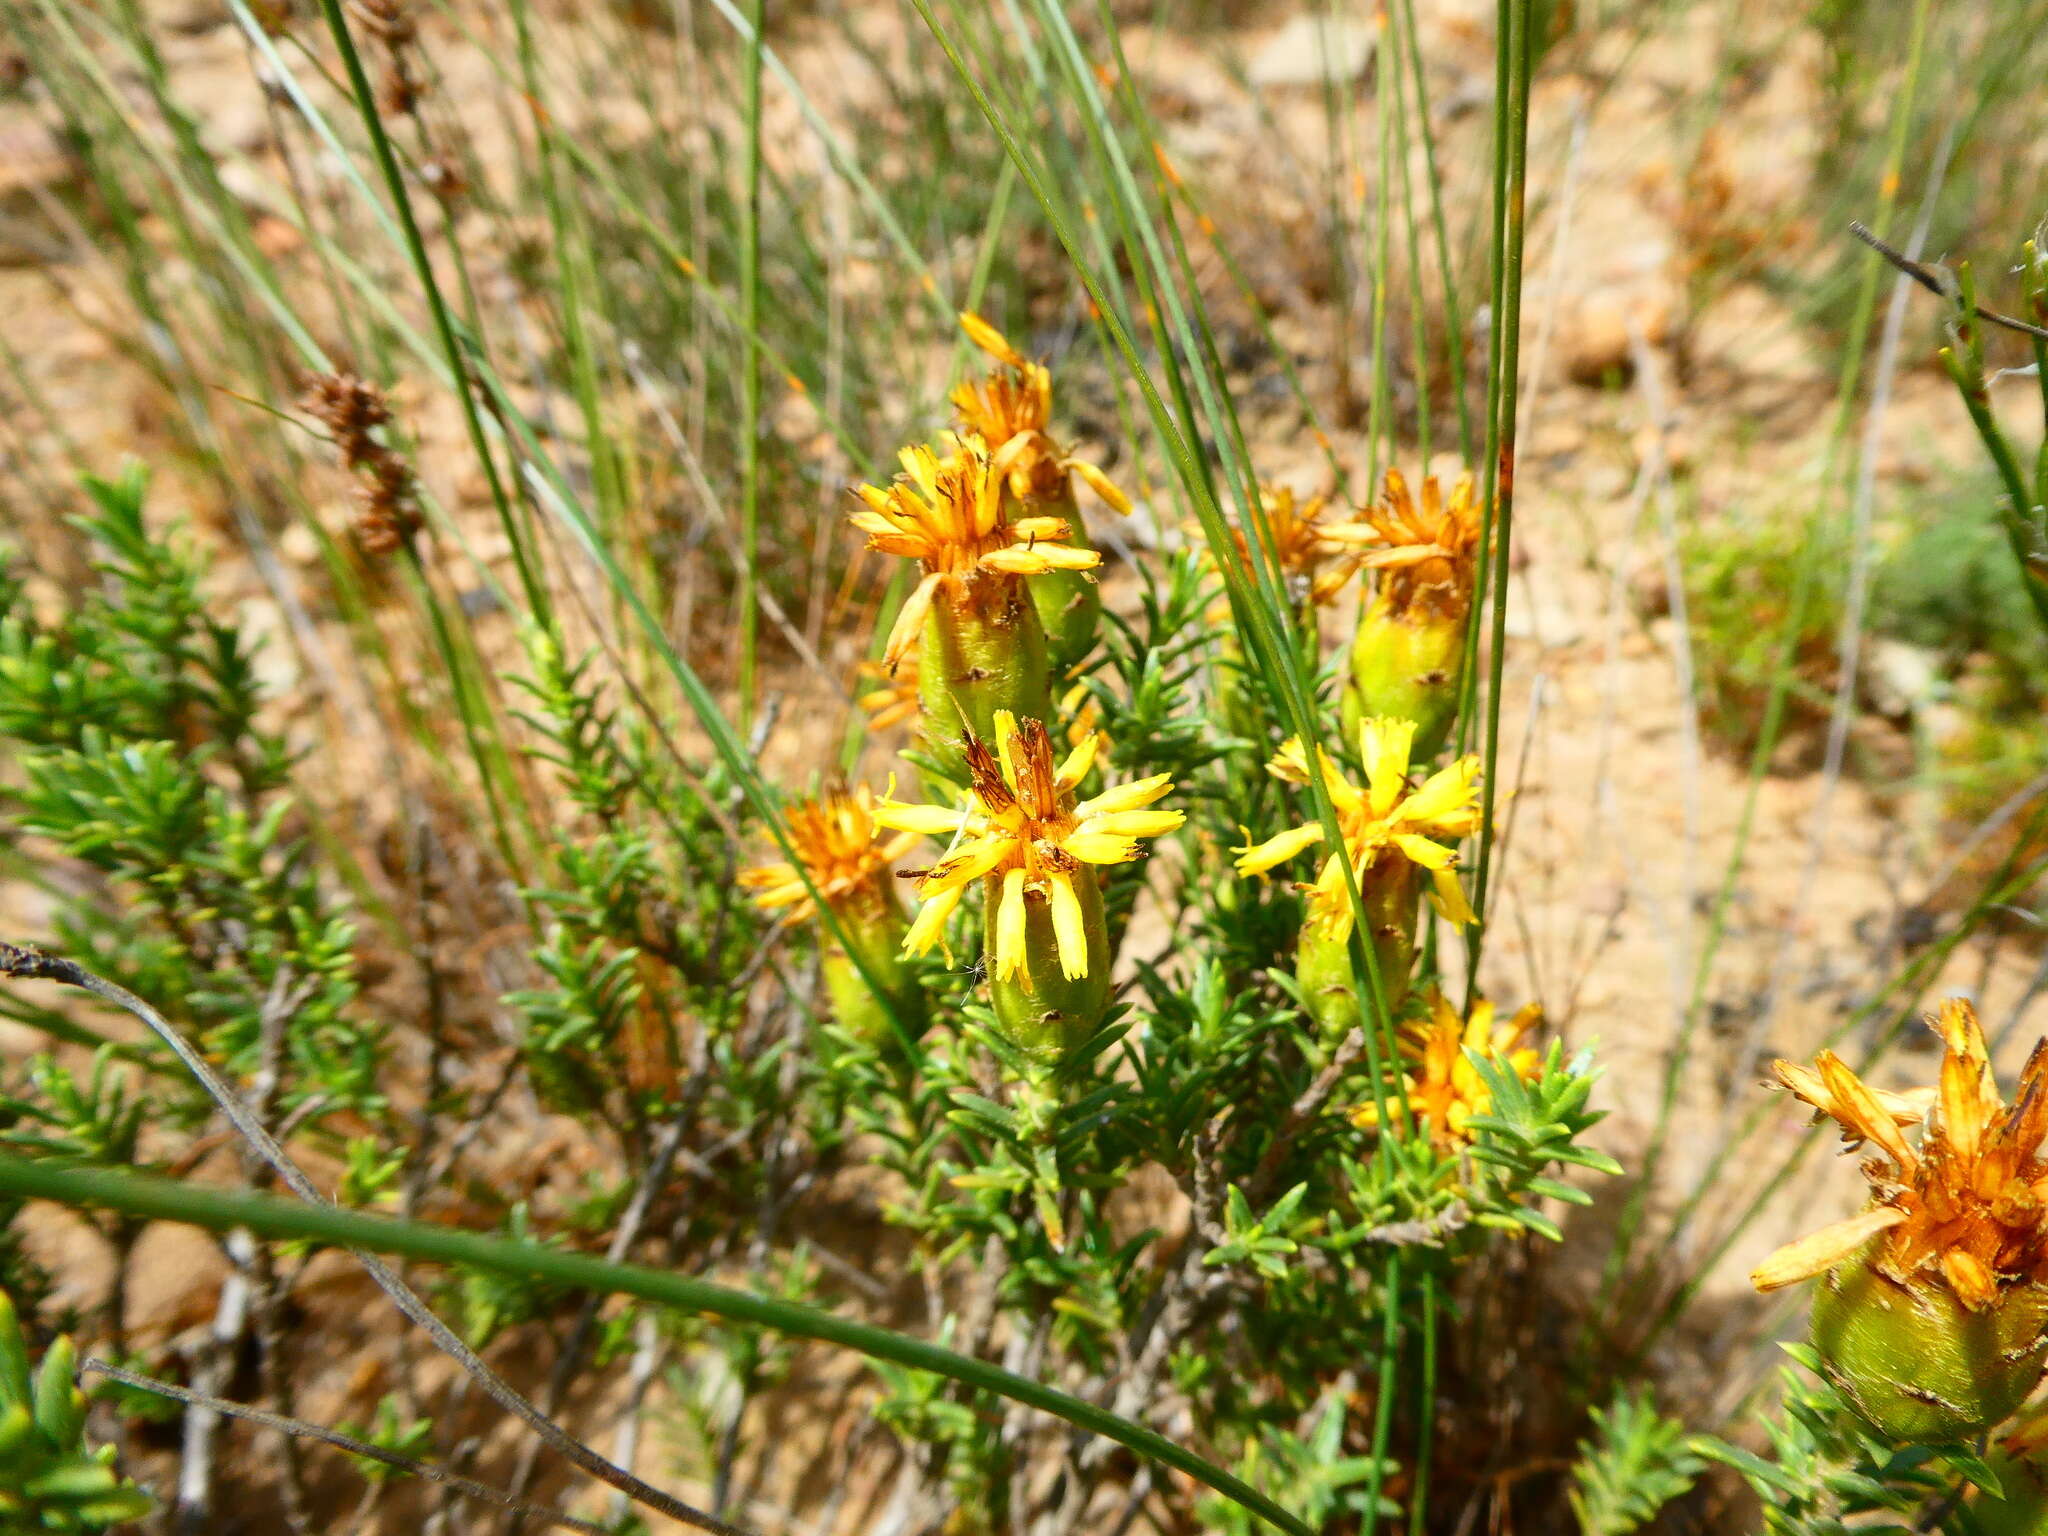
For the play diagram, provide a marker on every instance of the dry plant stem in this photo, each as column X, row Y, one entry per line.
column 32, row 964
column 1933, row 280
column 299, row 1429
column 666, row 1140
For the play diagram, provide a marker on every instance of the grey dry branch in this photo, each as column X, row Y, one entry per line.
column 300, row 1429
column 30, row 964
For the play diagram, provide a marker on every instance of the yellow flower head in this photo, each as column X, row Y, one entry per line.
column 893, row 697
column 1965, row 1202
column 1011, row 411
column 1386, row 824
column 1022, row 830
column 1427, row 556
column 1444, row 1090
column 947, row 514
column 836, row 837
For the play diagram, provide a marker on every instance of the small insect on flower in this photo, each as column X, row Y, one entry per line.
column 949, row 515
column 1930, row 1317
column 1443, row 1089
column 1426, row 555
column 1387, row 826
column 838, row 838
column 1011, row 411
column 1024, row 834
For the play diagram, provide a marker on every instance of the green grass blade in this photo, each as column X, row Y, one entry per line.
column 279, row 1219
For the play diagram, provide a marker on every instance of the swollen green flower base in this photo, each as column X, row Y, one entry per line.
column 1322, row 962
column 1407, row 670
column 1069, row 603
column 859, row 1012
column 1918, row 1365
column 1040, row 1012
column 978, row 654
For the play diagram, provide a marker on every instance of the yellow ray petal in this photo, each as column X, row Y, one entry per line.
column 1450, row 900
column 909, row 625
column 1134, row 823
column 929, row 928
column 1256, row 860
column 931, row 820
column 1384, row 745
column 1097, row 847
column 1821, row 1251
column 1420, row 850
column 1124, row 797
column 990, row 340
column 1100, row 484
column 1068, row 927
column 1079, row 761
column 1010, row 915
column 1445, row 796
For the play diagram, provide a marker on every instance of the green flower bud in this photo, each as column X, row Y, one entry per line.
column 1408, row 667
column 1322, row 965
column 1918, row 1365
column 877, row 937
column 2020, row 1506
column 1069, row 603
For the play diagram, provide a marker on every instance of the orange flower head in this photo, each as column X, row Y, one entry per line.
column 1011, row 411
column 948, row 514
column 1961, row 1206
column 838, row 839
column 1427, row 555
column 1444, row 1090
column 892, row 697
column 1315, row 565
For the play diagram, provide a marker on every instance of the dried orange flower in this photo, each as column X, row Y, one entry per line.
column 837, row 836
column 1427, row 555
column 1444, row 1090
column 893, row 698
column 1965, row 1206
column 1315, row 564
column 1010, row 410
column 948, row 514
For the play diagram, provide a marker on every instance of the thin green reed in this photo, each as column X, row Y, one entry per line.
column 1511, row 180
column 1264, row 599
column 750, row 365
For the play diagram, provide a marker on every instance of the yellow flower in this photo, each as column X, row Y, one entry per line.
column 837, row 838
column 1444, row 1090
column 948, row 515
column 1315, row 563
column 1022, row 831
column 1427, row 556
column 1384, row 825
column 1964, row 1204
column 1010, row 411
column 893, row 698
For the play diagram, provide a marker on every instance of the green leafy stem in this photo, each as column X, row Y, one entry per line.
column 272, row 1217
